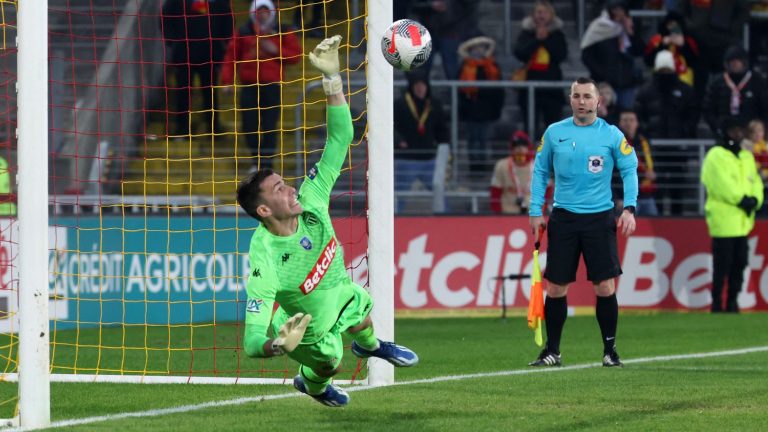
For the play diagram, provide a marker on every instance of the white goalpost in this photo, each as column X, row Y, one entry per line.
column 32, row 66
column 381, row 240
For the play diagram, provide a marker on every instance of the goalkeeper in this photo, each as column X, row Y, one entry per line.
column 296, row 260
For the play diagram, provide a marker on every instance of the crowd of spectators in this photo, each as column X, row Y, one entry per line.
column 683, row 78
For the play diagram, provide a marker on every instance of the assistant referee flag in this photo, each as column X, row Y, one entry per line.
column 536, row 301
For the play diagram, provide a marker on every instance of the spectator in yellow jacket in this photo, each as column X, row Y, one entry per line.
column 734, row 193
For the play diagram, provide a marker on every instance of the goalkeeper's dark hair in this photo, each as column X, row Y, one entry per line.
column 249, row 192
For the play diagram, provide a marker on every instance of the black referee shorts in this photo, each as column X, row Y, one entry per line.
column 570, row 235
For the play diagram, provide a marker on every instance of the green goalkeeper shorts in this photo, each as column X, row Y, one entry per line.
column 325, row 355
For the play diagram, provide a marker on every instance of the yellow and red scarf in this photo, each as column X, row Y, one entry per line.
column 469, row 73
column 421, row 118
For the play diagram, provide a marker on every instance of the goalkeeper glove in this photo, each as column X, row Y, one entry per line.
column 325, row 57
column 291, row 333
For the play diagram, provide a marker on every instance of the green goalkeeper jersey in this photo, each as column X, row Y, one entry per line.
column 303, row 272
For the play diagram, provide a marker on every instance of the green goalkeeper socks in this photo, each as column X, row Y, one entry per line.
column 366, row 339
column 314, row 383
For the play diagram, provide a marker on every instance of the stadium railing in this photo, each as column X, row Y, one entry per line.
column 447, row 198
column 459, row 199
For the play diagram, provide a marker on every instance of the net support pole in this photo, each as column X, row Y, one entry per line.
column 381, row 202
column 32, row 64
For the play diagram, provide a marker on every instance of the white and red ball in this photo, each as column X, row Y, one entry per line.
column 406, row 44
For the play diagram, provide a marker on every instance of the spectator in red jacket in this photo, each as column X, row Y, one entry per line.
column 259, row 50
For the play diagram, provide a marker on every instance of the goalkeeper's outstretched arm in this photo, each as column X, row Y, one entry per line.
column 325, row 58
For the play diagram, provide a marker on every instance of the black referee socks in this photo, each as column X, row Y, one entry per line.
column 607, row 313
column 555, row 313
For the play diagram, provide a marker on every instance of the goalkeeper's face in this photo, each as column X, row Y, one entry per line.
column 278, row 199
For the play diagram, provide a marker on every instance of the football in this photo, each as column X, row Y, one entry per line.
column 406, row 44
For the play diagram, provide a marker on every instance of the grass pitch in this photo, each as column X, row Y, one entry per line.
column 718, row 392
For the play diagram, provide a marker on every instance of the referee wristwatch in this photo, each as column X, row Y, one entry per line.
column 630, row 209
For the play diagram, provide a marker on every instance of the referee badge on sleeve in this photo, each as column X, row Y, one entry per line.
column 596, row 164
column 626, row 147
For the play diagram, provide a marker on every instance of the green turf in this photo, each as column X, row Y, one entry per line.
column 714, row 393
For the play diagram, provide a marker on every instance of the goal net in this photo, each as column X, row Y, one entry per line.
column 156, row 110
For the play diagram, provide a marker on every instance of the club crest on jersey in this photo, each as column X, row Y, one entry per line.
column 305, row 243
column 254, row 305
column 312, row 172
column 596, row 164
column 626, row 147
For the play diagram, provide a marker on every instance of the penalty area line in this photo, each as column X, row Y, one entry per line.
column 245, row 400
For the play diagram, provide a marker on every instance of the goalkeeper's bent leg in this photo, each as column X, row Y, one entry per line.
column 366, row 344
column 365, row 338
column 314, row 383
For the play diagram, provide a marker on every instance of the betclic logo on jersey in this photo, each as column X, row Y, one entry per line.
column 320, row 268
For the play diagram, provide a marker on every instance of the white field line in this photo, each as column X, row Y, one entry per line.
column 240, row 401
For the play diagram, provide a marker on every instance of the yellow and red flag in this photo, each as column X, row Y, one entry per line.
column 536, row 302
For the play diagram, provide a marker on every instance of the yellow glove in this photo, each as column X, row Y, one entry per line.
column 291, row 333
column 325, row 57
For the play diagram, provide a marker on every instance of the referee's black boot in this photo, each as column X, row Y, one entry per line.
column 547, row 358
column 611, row 359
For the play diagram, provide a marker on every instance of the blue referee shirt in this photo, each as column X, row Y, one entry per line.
column 582, row 159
